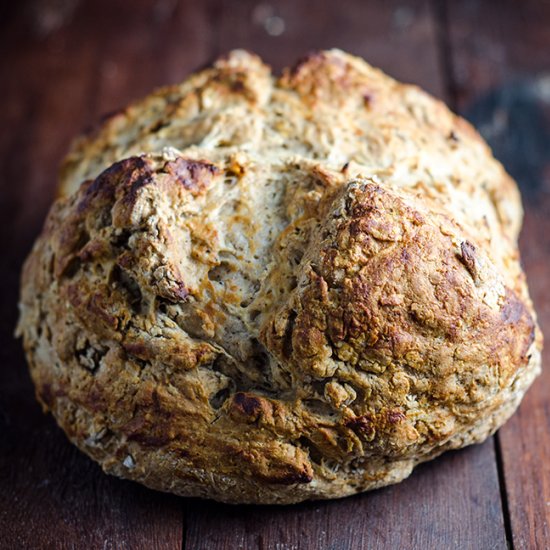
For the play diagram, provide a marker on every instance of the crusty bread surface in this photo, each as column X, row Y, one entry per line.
column 264, row 289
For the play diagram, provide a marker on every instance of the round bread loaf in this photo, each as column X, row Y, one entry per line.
column 265, row 290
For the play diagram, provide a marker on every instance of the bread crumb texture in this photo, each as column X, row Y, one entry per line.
column 266, row 290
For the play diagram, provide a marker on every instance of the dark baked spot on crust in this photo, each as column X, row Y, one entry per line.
column 468, row 258
column 368, row 99
column 364, row 424
column 249, row 407
column 138, row 349
column 453, row 136
column 142, row 431
column 514, row 310
column 517, row 318
column 193, row 175
column 248, row 404
column 124, row 177
column 394, row 417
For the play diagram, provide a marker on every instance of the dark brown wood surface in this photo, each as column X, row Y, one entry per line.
column 501, row 81
column 63, row 63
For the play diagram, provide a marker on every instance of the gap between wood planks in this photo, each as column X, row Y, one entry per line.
column 440, row 15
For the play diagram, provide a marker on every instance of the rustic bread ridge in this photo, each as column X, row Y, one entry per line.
column 267, row 290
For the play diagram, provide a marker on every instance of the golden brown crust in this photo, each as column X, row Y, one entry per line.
column 276, row 290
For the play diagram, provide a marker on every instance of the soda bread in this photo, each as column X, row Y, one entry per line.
column 266, row 290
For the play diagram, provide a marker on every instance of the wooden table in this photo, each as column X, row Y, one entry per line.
column 65, row 62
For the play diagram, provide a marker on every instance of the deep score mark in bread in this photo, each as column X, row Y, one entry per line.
column 261, row 289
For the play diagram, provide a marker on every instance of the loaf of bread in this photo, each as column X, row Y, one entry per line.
column 266, row 290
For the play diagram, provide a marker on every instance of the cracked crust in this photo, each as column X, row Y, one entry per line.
column 270, row 290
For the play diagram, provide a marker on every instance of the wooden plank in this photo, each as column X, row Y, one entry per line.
column 58, row 71
column 166, row 40
column 502, row 75
column 448, row 504
column 453, row 502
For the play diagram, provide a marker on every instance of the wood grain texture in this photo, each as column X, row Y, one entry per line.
column 501, row 73
column 63, row 63
column 449, row 504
